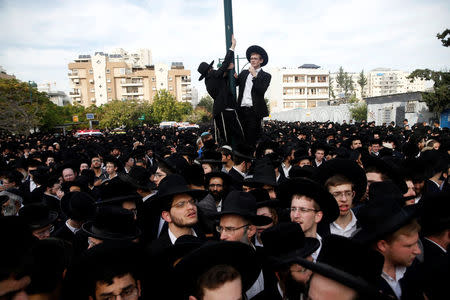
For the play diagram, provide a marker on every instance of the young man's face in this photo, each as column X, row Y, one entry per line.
column 375, row 148
column 230, row 223
column 356, row 144
column 319, row 155
column 216, row 187
column 158, row 176
column 322, row 288
column 111, row 169
column 96, row 163
column 183, row 212
column 344, row 195
column 125, row 286
column 304, row 213
column 403, row 250
column 256, row 60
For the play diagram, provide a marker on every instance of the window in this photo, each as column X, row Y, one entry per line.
column 321, row 78
column 154, row 88
column 170, row 88
column 410, row 107
column 108, row 80
column 92, row 90
column 107, row 71
column 122, row 71
column 91, row 71
column 170, row 78
column 287, row 104
column 153, row 79
column 299, row 78
column 312, row 91
column 109, row 90
column 312, row 79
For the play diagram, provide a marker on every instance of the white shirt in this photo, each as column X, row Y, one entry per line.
column 73, row 229
column 33, row 185
column 394, row 283
column 316, row 253
column 173, row 238
column 286, row 169
column 247, row 96
column 257, row 287
column 219, row 206
column 348, row 231
column 318, row 163
column 243, row 174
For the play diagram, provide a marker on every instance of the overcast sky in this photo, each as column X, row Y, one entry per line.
column 39, row 38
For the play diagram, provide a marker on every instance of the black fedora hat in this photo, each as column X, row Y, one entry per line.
column 225, row 177
column 263, row 199
column 260, row 51
column 236, row 254
column 37, row 215
column 243, row 204
column 243, row 151
column 383, row 214
column 136, row 198
column 347, row 168
column 184, row 245
column 285, row 242
column 311, row 189
column 349, row 263
column 138, row 177
column 263, row 173
column 172, row 185
column 435, row 216
column 203, row 69
column 113, row 223
column 78, row 206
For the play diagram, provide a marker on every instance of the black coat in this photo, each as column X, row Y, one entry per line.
column 436, row 274
column 260, row 84
column 218, row 86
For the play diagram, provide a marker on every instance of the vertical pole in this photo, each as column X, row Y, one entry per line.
column 228, row 13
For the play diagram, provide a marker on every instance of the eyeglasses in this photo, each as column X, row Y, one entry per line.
column 303, row 209
column 211, row 186
column 126, row 294
column 347, row 194
column 44, row 233
column 231, row 230
column 181, row 204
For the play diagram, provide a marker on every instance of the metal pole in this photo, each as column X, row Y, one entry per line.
column 228, row 13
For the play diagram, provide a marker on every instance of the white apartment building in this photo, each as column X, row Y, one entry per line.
column 57, row 97
column 302, row 87
column 384, row 81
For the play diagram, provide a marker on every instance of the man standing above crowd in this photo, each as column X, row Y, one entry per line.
column 253, row 84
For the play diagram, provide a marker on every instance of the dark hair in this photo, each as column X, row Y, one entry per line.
column 14, row 176
column 337, row 180
column 214, row 278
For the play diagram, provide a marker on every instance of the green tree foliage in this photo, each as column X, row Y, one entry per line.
column 341, row 78
column 345, row 82
column 206, row 102
column 331, row 90
column 359, row 111
column 199, row 115
column 439, row 99
column 362, row 82
column 23, row 108
column 122, row 113
column 166, row 108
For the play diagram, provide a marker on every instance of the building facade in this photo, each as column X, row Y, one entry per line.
column 383, row 81
column 304, row 87
column 59, row 98
column 105, row 77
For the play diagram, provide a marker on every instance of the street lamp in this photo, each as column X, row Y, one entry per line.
column 32, row 85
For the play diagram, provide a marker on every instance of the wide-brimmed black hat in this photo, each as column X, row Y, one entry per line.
column 349, row 263
column 260, row 51
column 435, row 216
column 37, row 215
column 236, row 254
column 263, row 199
column 138, row 177
column 344, row 167
column 243, row 151
column 311, row 189
column 243, row 204
column 136, row 198
column 184, row 245
column 225, row 177
column 175, row 184
column 113, row 223
column 203, row 69
column 115, row 187
column 383, row 214
column 263, row 173
column 78, row 206
column 285, row 242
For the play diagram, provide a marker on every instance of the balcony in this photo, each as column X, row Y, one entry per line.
column 133, row 94
column 185, row 80
column 73, row 74
column 132, row 82
column 75, row 94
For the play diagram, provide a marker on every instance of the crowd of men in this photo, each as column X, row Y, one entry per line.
column 313, row 211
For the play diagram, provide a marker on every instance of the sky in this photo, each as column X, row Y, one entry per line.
column 39, row 38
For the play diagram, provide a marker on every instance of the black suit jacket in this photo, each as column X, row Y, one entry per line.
column 218, row 86
column 436, row 274
column 260, row 84
column 236, row 179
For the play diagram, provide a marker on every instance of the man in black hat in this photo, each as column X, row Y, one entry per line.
column 253, row 84
column 238, row 221
column 39, row 218
column 224, row 109
column 176, row 202
column 218, row 185
column 309, row 204
column 242, row 157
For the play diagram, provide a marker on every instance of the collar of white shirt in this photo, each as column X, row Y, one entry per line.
column 394, row 283
column 173, row 238
column 243, row 174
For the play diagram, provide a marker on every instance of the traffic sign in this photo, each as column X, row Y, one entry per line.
column 90, row 116
column 75, row 119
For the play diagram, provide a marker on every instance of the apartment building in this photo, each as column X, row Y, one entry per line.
column 383, row 81
column 59, row 98
column 103, row 77
column 303, row 87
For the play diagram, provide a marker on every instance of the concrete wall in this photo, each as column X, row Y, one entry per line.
column 319, row 114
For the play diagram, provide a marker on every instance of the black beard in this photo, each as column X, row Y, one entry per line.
column 217, row 196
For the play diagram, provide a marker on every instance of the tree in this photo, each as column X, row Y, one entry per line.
column 341, row 78
column 438, row 100
column 348, row 85
column 120, row 113
column 331, row 90
column 166, row 108
column 358, row 112
column 207, row 102
column 24, row 108
column 362, row 82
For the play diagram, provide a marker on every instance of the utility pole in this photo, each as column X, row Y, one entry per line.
column 228, row 13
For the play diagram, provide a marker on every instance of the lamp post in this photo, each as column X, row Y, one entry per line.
column 228, row 14
column 31, row 85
